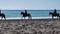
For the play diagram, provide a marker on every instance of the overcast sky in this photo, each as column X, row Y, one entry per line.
column 30, row 4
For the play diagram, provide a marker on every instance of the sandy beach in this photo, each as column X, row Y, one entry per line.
column 30, row 26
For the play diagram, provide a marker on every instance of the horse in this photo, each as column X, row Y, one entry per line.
column 54, row 15
column 2, row 15
column 26, row 15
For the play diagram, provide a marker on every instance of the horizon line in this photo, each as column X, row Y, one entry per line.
column 28, row 9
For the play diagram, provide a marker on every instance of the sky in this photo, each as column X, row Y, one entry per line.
column 30, row 4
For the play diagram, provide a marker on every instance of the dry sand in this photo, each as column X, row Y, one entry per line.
column 33, row 26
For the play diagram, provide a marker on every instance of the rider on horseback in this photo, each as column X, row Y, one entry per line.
column 55, row 12
column 25, row 12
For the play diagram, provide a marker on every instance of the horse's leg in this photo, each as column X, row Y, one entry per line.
column 52, row 17
column 4, row 17
column 29, row 17
column 57, row 17
column 24, row 17
column 21, row 17
column 1, row 18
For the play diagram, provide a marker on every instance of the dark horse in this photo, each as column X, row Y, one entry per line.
column 2, row 15
column 54, row 15
column 26, row 15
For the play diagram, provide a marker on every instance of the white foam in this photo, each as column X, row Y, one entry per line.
column 32, row 18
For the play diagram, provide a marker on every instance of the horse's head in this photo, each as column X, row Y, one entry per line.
column 22, row 13
column 50, row 13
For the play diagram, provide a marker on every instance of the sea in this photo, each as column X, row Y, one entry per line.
column 34, row 13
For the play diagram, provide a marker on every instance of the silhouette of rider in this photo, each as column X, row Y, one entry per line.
column 55, row 11
column 25, row 12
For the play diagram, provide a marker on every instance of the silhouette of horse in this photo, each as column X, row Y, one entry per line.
column 54, row 15
column 2, row 15
column 26, row 15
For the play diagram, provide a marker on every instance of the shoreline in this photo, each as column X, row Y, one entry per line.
column 30, row 20
column 17, row 18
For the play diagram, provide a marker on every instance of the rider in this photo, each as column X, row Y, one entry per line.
column 26, row 12
column 55, row 11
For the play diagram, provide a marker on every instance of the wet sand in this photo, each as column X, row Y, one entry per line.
column 30, row 26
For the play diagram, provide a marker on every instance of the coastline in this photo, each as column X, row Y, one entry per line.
column 12, row 18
